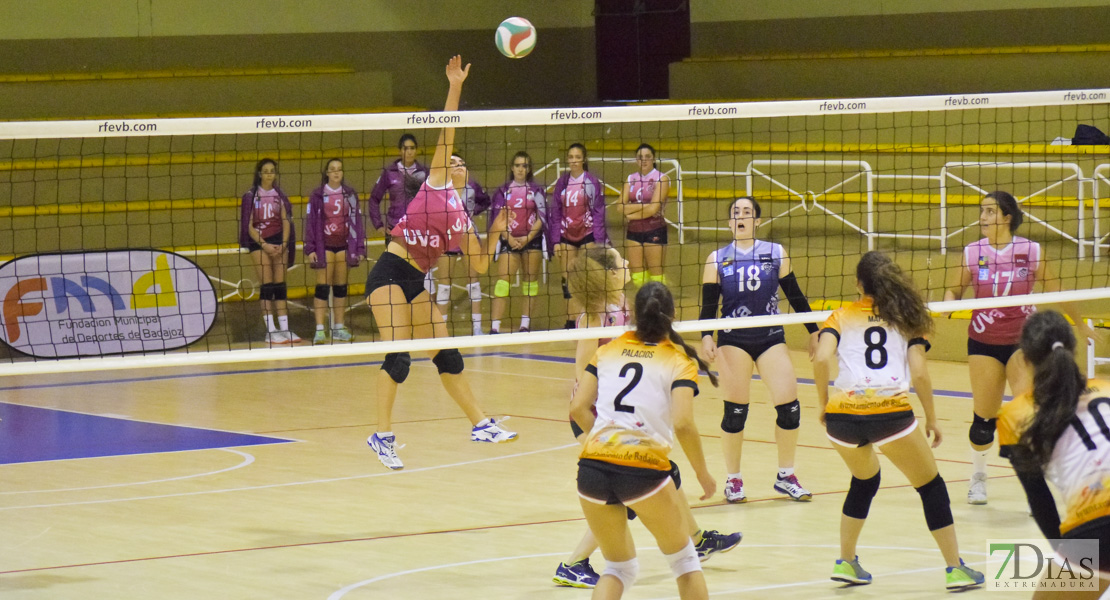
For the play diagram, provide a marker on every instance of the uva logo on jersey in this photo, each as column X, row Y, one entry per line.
column 415, row 237
column 981, row 320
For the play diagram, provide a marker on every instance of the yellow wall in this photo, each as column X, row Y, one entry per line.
column 704, row 11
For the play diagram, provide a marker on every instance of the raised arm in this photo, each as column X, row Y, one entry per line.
column 456, row 75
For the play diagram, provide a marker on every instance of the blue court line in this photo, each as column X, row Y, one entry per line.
column 517, row 355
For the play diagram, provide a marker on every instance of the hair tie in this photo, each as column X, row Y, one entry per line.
column 1056, row 345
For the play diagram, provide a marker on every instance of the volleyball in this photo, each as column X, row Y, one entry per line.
column 515, row 37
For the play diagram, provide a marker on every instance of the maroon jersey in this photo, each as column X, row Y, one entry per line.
column 641, row 188
column 335, row 218
column 266, row 217
column 434, row 222
column 578, row 222
column 520, row 201
column 1010, row 271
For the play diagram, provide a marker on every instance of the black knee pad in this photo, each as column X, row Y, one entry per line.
column 449, row 362
column 566, row 289
column 736, row 415
column 575, row 429
column 860, row 493
column 982, row 430
column 266, row 291
column 789, row 415
column 934, row 499
column 279, row 291
column 339, row 291
column 322, row 291
column 397, row 365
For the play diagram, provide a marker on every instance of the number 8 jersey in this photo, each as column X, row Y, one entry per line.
column 874, row 373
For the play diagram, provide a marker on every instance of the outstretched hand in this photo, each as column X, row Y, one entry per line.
column 456, row 73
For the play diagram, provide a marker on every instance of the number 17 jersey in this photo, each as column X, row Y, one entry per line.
column 1010, row 271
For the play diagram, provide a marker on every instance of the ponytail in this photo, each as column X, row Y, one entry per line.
column 654, row 313
column 896, row 299
column 1048, row 343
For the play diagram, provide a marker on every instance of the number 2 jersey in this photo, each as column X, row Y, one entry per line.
column 1080, row 463
column 1010, row 271
column 749, row 287
column 634, row 383
column 874, row 376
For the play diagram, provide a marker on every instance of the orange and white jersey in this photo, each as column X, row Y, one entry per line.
column 1080, row 463
column 634, row 383
column 874, row 373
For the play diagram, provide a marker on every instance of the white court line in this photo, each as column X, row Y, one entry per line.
column 247, row 459
column 292, row 483
column 345, row 590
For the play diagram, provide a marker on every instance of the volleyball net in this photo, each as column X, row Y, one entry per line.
column 123, row 237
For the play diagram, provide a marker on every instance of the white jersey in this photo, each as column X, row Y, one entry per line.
column 1080, row 464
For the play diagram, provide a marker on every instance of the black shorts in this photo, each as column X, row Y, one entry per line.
column 453, row 253
column 274, row 240
column 756, row 348
column 336, row 249
column 655, row 236
column 589, row 239
column 605, row 483
column 1098, row 529
column 535, row 244
column 999, row 352
column 861, row 430
column 394, row 270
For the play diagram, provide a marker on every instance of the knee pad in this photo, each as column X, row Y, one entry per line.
column 860, row 493
column 340, row 291
column 501, row 289
column 449, row 362
column 443, row 293
column 397, row 365
column 684, row 561
column 322, row 291
column 934, row 499
column 626, row 571
column 530, row 288
column 736, row 415
column 566, row 289
column 789, row 415
column 639, row 278
column 658, row 278
column 474, row 290
column 279, row 291
column 266, row 291
column 982, row 430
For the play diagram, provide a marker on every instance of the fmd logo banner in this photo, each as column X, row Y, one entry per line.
column 1069, row 565
column 96, row 303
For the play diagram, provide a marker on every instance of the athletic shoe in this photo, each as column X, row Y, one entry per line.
column 277, row 337
column 789, row 485
column 293, row 338
column 496, row 332
column 579, row 574
column 341, row 334
column 488, row 431
column 713, row 542
column 387, row 452
column 321, row 337
column 962, row 576
column 849, row 571
column 977, row 491
column 524, row 330
column 734, row 490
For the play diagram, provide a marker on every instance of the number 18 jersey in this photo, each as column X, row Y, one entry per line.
column 749, row 286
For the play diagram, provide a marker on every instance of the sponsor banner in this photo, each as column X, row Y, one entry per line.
column 97, row 303
column 1028, row 565
column 539, row 116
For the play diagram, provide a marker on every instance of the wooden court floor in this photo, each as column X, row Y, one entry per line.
column 319, row 517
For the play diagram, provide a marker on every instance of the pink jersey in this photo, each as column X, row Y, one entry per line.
column 521, row 204
column 434, row 222
column 266, row 217
column 1010, row 271
column 578, row 222
column 335, row 218
column 641, row 188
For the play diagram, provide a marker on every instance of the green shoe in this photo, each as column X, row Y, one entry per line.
column 341, row 334
column 849, row 571
column 962, row 576
column 321, row 337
